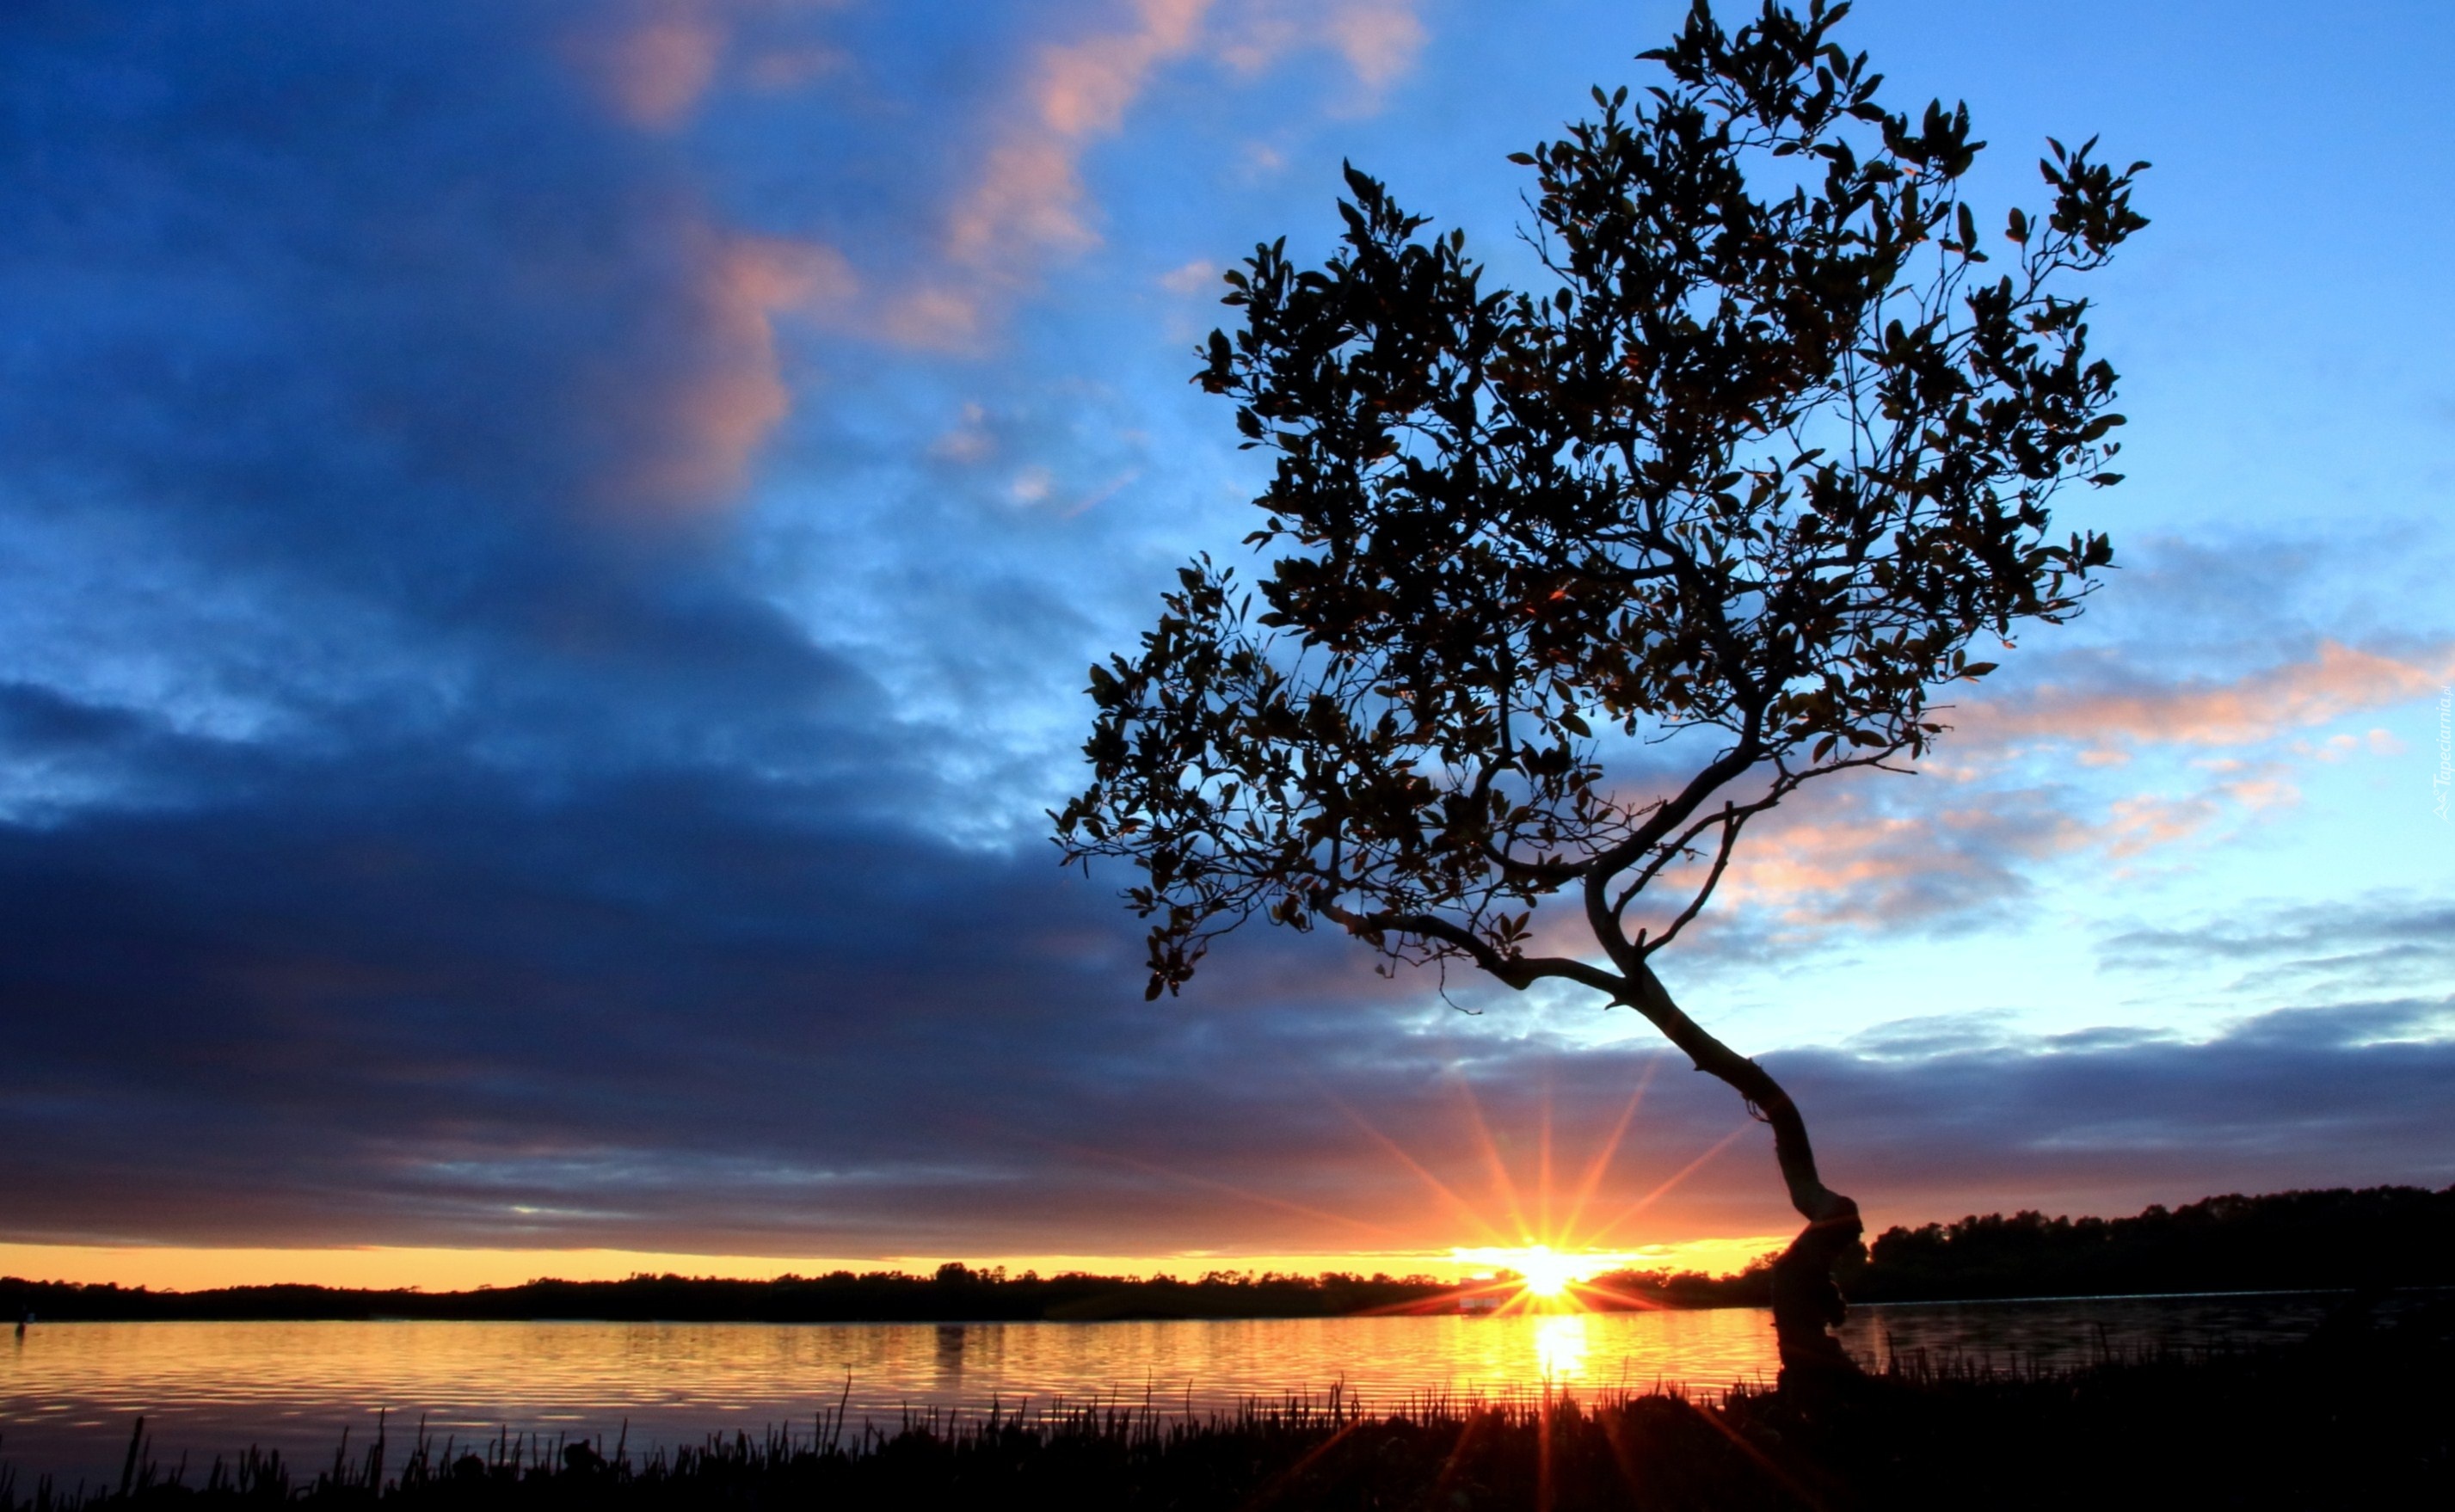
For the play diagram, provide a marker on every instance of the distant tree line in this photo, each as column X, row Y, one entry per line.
column 955, row 1293
column 2381, row 1237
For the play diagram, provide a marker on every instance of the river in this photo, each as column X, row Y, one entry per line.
column 69, row 1392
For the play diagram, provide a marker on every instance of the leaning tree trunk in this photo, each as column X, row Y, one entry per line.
column 1806, row 1302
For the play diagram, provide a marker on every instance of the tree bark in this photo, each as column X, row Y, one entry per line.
column 1806, row 1301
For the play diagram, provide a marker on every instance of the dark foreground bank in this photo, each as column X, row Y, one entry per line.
column 2360, row 1416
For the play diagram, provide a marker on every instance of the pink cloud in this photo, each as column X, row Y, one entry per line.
column 655, row 59
column 1378, row 39
column 2145, row 822
column 2336, row 681
column 1838, row 859
column 692, row 438
column 1877, row 850
column 1873, row 851
column 1025, row 204
column 1029, row 193
column 1027, row 201
column 1852, row 857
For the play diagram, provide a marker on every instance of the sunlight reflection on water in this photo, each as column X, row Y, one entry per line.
column 1560, row 1347
column 69, row 1391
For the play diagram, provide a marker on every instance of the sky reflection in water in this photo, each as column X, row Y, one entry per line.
column 68, row 1393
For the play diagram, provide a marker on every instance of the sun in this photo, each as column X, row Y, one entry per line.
column 1544, row 1275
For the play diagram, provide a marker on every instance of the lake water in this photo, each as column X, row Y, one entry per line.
column 69, row 1392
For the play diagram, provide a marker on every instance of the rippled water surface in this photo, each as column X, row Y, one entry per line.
column 69, row 1392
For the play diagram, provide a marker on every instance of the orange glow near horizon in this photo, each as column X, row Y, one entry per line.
column 1552, row 1266
column 1536, row 1250
column 384, row 1268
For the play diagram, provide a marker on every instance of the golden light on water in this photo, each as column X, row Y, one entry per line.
column 1560, row 1345
column 69, row 1394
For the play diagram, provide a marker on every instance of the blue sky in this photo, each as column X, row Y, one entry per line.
column 551, row 550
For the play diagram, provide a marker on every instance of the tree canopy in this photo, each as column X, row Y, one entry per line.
column 1756, row 463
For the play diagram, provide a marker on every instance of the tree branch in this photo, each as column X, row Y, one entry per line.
column 1519, row 971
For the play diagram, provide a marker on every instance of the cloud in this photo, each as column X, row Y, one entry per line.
column 1873, row 855
column 2333, row 682
column 1951, row 848
column 1377, row 39
column 1000, row 188
column 2296, row 930
column 1029, row 194
column 1197, row 276
column 613, row 1004
column 1884, row 852
column 2318, row 1097
column 653, row 58
column 1027, row 204
column 704, row 1012
column 333, row 426
column 2382, row 942
column 486, row 304
column 706, row 420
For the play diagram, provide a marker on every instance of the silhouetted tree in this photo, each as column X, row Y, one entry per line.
column 1575, row 582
